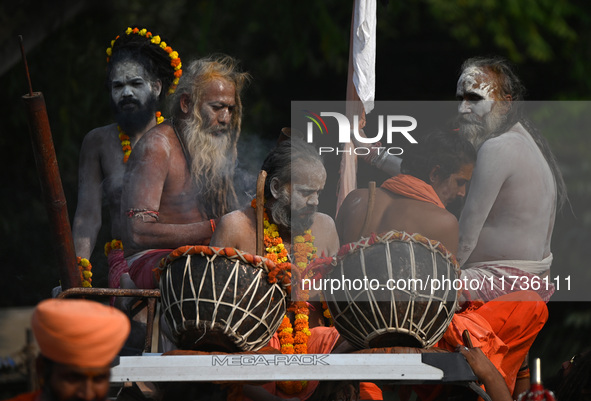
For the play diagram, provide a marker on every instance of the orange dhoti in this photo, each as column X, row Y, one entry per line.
column 504, row 328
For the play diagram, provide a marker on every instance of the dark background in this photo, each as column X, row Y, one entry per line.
column 294, row 51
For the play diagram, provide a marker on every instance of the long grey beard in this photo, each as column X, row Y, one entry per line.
column 478, row 132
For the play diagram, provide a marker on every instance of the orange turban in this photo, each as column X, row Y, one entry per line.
column 79, row 332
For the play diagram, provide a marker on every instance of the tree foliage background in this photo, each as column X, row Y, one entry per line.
column 294, row 51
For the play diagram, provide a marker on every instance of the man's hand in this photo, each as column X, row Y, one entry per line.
column 487, row 373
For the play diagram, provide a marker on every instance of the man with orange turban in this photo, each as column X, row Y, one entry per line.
column 78, row 340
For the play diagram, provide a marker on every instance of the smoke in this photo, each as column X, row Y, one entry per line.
column 252, row 151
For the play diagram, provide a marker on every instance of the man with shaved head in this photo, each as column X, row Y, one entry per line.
column 507, row 221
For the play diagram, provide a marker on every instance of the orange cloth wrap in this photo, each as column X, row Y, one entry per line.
column 79, row 332
column 413, row 188
column 503, row 328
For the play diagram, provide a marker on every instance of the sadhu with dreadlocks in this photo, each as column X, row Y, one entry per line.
column 179, row 178
column 141, row 70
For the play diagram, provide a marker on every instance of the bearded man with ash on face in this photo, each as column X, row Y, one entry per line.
column 507, row 221
column 180, row 175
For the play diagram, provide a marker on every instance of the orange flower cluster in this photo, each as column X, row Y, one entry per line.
column 113, row 244
column 281, row 273
column 304, row 249
column 294, row 343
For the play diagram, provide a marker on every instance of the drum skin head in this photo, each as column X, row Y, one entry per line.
column 214, row 303
column 375, row 315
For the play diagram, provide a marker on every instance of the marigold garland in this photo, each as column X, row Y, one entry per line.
column 113, row 244
column 175, row 60
column 85, row 271
column 126, row 143
column 292, row 338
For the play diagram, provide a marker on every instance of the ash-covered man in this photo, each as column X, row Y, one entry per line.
column 296, row 176
column 78, row 340
column 140, row 72
column 179, row 178
column 507, row 221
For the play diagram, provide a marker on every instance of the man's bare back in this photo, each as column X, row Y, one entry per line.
column 511, row 206
column 393, row 211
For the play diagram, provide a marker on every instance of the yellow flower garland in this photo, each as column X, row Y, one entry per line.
column 85, row 271
column 292, row 338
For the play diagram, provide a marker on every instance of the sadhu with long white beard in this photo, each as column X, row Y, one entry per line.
column 180, row 175
column 507, row 221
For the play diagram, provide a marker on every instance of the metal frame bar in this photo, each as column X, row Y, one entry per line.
column 150, row 295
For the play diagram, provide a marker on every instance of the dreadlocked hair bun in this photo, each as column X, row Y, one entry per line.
column 152, row 51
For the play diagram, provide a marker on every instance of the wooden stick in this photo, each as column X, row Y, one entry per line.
column 260, row 197
column 20, row 39
column 467, row 339
column 370, row 202
column 51, row 185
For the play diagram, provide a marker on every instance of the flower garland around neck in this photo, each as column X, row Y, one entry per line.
column 126, row 143
column 293, row 338
column 175, row 60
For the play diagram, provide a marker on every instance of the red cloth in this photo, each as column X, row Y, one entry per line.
column 141, row 270
column 117, row 266
column 79, row 332
column 26, row 396
column 413, row 188
column 504, row 328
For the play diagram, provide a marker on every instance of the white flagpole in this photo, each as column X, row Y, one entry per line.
column 360, row 85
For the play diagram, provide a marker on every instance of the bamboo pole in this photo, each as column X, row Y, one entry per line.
column 51, row 183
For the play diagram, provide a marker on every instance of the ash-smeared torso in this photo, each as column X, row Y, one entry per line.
column 511, row 204
column 159, row 180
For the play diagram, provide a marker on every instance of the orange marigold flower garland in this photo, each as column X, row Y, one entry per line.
column 292, row 338
column 113, row 244
column 85, row 271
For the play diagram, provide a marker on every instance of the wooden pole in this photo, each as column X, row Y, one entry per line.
column 260, row 196
column 51, row 184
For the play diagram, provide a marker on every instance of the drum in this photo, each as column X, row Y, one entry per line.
column 395, row 289
column 219, row 299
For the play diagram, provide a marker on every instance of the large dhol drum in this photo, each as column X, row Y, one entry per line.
column 219, row 299
column 393, row 296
